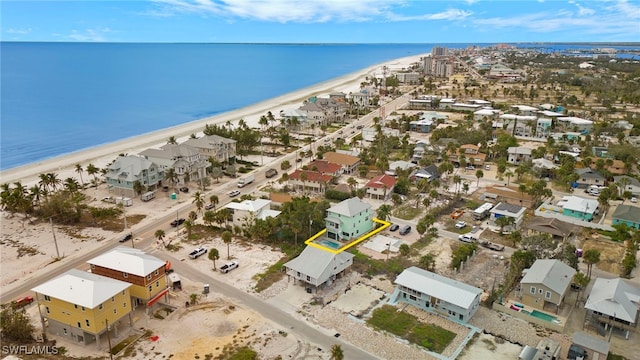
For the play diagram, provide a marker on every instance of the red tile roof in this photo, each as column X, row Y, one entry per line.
column 382, row 181
column 311, row 176
column 324, row 167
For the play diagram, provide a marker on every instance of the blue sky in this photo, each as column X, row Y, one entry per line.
column 321, row 21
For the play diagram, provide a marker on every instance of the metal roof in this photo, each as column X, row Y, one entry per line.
column 614, row 297
column 449, row 290
column 129, row 260
column 628, row 213
column 350, row 207
column 82, row 288
column 591, row 342
column 553, row 274
column 314, row 262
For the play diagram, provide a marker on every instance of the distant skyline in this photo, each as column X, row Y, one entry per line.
column 321, row 21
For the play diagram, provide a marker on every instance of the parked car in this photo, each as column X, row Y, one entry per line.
column 359, row 127
column 340, row 132
column 487, row 167
column 197, row 252
column 126, row 238
column 234, row 193
column 461, row 225
column 394, row 227
column 229, row 266
column 271, row 173
column 634, row 199
column 209, row 206
column 21, row 302
column 466, row 238
column 177, row 222
column 456, row 214
column 405, row 230
column 470, row 167
column 184, row 189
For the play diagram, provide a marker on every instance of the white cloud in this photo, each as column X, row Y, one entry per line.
column 632, row 11
column 18, row 31
column 584, row 11
column 88, row 35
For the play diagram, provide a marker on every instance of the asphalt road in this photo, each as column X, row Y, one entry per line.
column 320, row 337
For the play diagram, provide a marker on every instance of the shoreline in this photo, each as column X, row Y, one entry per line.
column 101, row 155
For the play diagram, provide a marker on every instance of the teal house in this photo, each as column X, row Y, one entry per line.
column 627, row 214
column 127, row 170
column 349, row 220
column 579, row 208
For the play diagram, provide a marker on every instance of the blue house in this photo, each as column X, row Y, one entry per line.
column 627, row 214
column 579, row 208
column 437, row 294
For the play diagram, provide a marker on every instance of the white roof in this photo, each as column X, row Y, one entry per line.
column 449, row 290
column 249, row 205
column 82, row 288
column 448, row 100
column 517, row 117
column 486, row 112
column 553, row 274
column 350, row 207
column 577, row 203
column 519, row 150
column 550, row 113
column 575, row 120
column 129, row 260
column 614, row 297
column 524, row 107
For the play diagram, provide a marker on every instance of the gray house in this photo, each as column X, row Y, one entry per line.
column 614, row 302
column 217, row 147
column 630, row 184
column 587, row 177
column 185, row 160
column 546, row 281
column 438, row 294
column 317, row 267
column 126, row 170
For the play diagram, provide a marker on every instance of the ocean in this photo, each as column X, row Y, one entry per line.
column 58, row 98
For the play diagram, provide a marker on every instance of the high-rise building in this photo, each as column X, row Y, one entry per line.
column 439, row 51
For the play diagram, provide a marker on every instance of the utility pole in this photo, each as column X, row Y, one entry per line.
column 54, row 239
column 109, row 338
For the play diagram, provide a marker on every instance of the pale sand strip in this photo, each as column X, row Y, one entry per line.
column 100, row 156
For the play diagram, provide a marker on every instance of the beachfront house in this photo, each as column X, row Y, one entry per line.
column 515, row 212
column 577, row 124
column 627, row 183
column 628, row 215
column 518, row 154
column 79, row 305
column 316, row 267
column 219, row 148
column 145, row 273
column 429, row 173
column 399, row 165
column 309, row 181
column 348, row 163
column 185, row 160
column 588, row 177
column 246, row 212
column 614, row 302
column 546, row 283
column 125, row 171
column 431, row 292
column 349, row 219
column 380, row 187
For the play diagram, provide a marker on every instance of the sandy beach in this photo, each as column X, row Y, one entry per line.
column 100, row 156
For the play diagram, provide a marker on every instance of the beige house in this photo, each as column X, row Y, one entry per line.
column 245, row 212
column 546, row 282
column 217, row 147
column 348, row 164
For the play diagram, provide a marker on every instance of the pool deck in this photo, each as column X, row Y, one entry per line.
column 523, row 312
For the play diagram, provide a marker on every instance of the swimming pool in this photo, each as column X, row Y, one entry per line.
column 541, row 315
column 329, row 244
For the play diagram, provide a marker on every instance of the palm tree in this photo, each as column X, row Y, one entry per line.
column 383, row 212
column 171, row 175
column 508, row 174
column 226, row 238
column 214, row 255
column 198, row 200
column 159, row 234
column 479, row 175
column 92, row 170
column 79, row 170
column 428, row 262
column 213, row 199
column 590, row 257
column 582, row 281
column 188, row 225
column 504, row 221
column 336, row 352
column 172, row 140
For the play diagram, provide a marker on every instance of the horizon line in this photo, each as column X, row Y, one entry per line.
column 617, row 43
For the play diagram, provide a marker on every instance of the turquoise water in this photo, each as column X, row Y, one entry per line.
column 541, row 315
column 329, row 244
